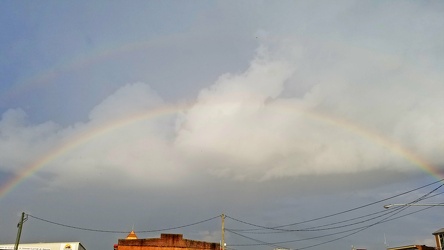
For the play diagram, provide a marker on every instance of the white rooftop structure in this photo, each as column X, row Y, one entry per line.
column 45, row 246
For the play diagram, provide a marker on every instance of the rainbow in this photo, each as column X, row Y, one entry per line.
column 380, row 139
column 70, row 64
column 109, row 51
column 370, row 135
column 83, row 138
column 325, row 118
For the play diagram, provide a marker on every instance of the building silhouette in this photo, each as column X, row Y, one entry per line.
column 439, row 237
column 165, row 242
column 412, row 247
column 45, row 246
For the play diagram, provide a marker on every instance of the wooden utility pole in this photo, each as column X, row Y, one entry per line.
column 223, row 232
column 19, row 231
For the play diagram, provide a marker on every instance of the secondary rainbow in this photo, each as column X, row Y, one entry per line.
column 69, row 64
column 111, row 50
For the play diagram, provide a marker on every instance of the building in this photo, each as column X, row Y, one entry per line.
column 165, row 242
column 412, row 247
column 45, row 246
column 439, row 237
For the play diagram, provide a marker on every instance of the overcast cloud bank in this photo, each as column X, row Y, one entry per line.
column 253, row 126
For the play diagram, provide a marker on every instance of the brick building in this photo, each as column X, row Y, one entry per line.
column 412, row 247
column 165, row 242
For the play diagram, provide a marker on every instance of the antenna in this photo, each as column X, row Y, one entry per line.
column 385, row 242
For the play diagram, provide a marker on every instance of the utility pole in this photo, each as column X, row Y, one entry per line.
column 19, row 231
column 223, row 232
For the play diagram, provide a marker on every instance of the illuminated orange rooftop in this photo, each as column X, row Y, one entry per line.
column 131, row 236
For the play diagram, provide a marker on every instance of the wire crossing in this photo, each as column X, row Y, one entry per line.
column 339, row 229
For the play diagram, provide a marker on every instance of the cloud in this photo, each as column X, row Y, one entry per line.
column 247, row 127
column 127, row 100
column 294, row 112
column 257, row 125
column 421, row 129
column 20, row 142
column 222, row 125
column 124, row 139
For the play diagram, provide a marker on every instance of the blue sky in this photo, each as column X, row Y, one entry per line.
column 158, row 114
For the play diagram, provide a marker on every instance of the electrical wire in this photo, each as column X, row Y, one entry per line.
column 353, row 231
column 326, row 235
column 113, row 231
column 324, row 227
column 386, row 216
column 261, row 243
column 360, row 217
column 334, row 214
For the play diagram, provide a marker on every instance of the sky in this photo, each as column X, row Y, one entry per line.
column 298, row 120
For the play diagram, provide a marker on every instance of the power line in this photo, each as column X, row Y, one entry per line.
column 324, row 226
column 326, row 235
column 353, row 231
column 334, row 214
column 261, row 243
column 384, row 217
column 113, row 231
